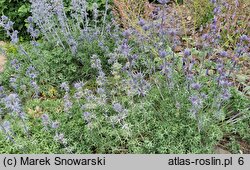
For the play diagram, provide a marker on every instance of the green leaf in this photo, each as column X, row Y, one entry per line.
column 23, row 9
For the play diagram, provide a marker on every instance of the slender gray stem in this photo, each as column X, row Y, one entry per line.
column 105, row 16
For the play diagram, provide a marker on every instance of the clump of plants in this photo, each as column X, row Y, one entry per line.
column 127, row 12
column 18, row 11
column 120, row 90
column 202, row 12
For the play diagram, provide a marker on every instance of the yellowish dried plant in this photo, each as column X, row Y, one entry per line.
column 127, row 12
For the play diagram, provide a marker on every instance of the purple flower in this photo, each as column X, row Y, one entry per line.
column 214, row 21
column 13, row 83
column 101, row 79
column 22, row 115
column 187, row 52
column 35, row 87
column 125, row 49
column 141, row 22
column 213, row 1
column 216, row 10
column 139, row 85
column 65, row 86
column 87, row 116
column 126, row 33
column 100, row 91
column 196, row 86
column 117, row 107
column 205, row 36
column 7, row 126
column 244, row 38
column 163, row 1
column 190, row 77
column 196, row 101
column 67, row 103
column 45, row 119
column 223, row 82
column 4, row 18
column 15, row 64
column 31, row 72
column 213, row 27
column 145, row 27
column 89, row 95
column 223, row 54
column 30, row 29
column 9, row 25
column 1, row 89
column 204, row 96
column 33, row 75
column 30, row 19
column 162, row 53
column 12, row 102
column 220, row 68
column 14, row 37
column 60, row 138
column 96, row 62
column 134, row 57
column 79, row 85
column 236, row 3
column 225, row 95
column 172, row 32
column 78, row 95
column 55, row 125
column 34, row 34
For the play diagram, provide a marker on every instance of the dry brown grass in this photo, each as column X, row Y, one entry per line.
column 127, row 12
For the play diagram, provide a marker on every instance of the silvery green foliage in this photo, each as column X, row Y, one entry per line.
column 95, row 14
column 79, row 13
column 53, row 125
column 51, row 19
column 67, row 102
column 64, row 30
column 13, row 107
column 5, row 127
column 139, row 86
column 7, row 24
column 100, row 80
column 121, row 114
